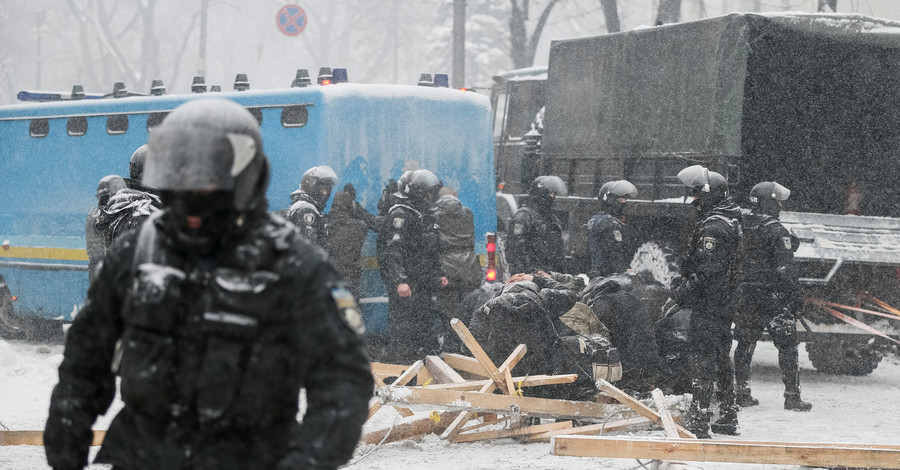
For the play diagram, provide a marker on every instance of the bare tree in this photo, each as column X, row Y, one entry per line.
column 523, row 48
column 669, row 12
column 825, row 4
column 611, row 13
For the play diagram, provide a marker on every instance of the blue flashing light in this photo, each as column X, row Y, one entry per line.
column 52, row 96
column 339, row 76
column 441, row 80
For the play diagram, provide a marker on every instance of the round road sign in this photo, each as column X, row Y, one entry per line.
column 291, row 20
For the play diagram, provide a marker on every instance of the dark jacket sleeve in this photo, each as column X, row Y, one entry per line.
column 781, row 244
column 339, row 383
column 607, row 246
column 557, row 297
column 86, row 383
column 709, row 263
column 394, row 249
column 520, row 243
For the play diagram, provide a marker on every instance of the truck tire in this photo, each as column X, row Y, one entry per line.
column 844, row 357
column 10, row 326
column 657, row 258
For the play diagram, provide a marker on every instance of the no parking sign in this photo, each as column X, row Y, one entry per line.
column 291, row 20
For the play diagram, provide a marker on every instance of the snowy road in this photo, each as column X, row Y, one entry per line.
column 845, row 409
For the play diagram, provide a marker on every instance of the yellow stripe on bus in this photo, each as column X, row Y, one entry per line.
column 69, row 254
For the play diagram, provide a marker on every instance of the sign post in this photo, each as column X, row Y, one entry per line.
column 291, row 20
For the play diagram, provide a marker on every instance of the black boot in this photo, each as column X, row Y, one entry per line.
column 744, row 399
column 727, row 422
column 793, row 402
column 698, row 421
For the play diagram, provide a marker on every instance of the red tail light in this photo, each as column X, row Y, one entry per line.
column 326, row 82
column 491, row 274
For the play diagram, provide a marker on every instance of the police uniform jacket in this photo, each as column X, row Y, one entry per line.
column 711, row 267
column 535, row 241
column 608, row 245
column 409, row 250
column 769, row 249
column 212, row 353
column 304, row 214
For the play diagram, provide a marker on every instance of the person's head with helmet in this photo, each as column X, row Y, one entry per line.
column 544, row 189
column 766, row 197
column 108, row 185
column 708, row 188
column 207, row 161
column 136, row 168
column 317, row 183
column 419, row 188
column 612, row 196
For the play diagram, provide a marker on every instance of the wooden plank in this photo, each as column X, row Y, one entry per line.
column 525, row 381
column 36, row 438
column 612, row 426
column 424, row 377
column 483, row 424
column 409, row 428
column 464, row 417
column 488, row 402
column 514, row 432
column 695, row 450
column 388, row 370
column 465, row 364
column 403, row 379
column 637, row 406
column 663, row 411
column 442, row 372
column 466, row 336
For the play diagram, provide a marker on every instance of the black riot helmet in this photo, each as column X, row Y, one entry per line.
column 136, row 167
column 206, row 158
column 708, row 188
column 420, row 188
column 108, row 185
column 766, row 197
column 544, row 189
column 317, row 183
column 612, row 195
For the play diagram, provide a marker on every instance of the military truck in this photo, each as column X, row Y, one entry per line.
column 811, row 101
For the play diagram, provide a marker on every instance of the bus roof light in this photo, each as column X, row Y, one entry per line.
column 215, row 88
column 302, row 79
column 119, row 90
column 157, row 88
column 325, row 76
column 425, row 80
column 241, row 83
column 77, row 92
column 441, row 80
column 198, row 85
column 339, row 75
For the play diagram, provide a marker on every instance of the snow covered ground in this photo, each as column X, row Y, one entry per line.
column 845, row 409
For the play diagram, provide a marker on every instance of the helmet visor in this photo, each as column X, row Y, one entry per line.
column 695, row 176
column 621, row 188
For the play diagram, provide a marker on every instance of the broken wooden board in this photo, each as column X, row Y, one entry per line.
column 513, row 432
column 487, row 402
column 639, row 422
column 403, row 379
column 637, row 406
column 465, row 364
column 442, row 372
column 494, row 373
column 663, row 411
column 695, row 450
column 523, row 381
column 36, row 438
column 383, row 369
column 409, row 428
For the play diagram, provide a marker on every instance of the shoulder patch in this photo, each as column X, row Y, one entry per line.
column 309, row 218
column 787, row 242
column 518, row 228
column 709, row 244
column 617, row 234
column 349, row 311
column 398, row 222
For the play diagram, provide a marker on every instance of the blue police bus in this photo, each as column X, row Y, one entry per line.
column 52, row 155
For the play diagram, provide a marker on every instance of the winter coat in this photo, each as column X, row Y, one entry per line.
column 409, row 250
column 306, row 216
column 456, row 227
column 609, row 245
column 125, row 210
column 346, row 236
column 212, row 353
column 535, row 241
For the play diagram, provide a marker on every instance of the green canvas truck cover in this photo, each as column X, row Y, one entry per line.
column 808, row 100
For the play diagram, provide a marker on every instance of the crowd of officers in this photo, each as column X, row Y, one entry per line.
column 213, row 313
column 738, row 269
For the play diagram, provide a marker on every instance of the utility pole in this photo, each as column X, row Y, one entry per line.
column 459, row 43
column 201, row 66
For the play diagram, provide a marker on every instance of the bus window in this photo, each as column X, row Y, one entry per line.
column 257, row 113
column 39, row 127
column 76, row 126
column 117, row 124
column 154, row 119
column 294, row 116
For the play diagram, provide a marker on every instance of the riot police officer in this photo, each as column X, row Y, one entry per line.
column 409, row 259
column 710, row 271
column 214, row 315
column 308, row 203
column 535, row 238
column 768, row 295
column 128, row 207
column 608, row 242
column 95, row 245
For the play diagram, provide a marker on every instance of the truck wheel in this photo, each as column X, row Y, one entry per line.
column 657, row 258
column 844, row 357
column 10, row 326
